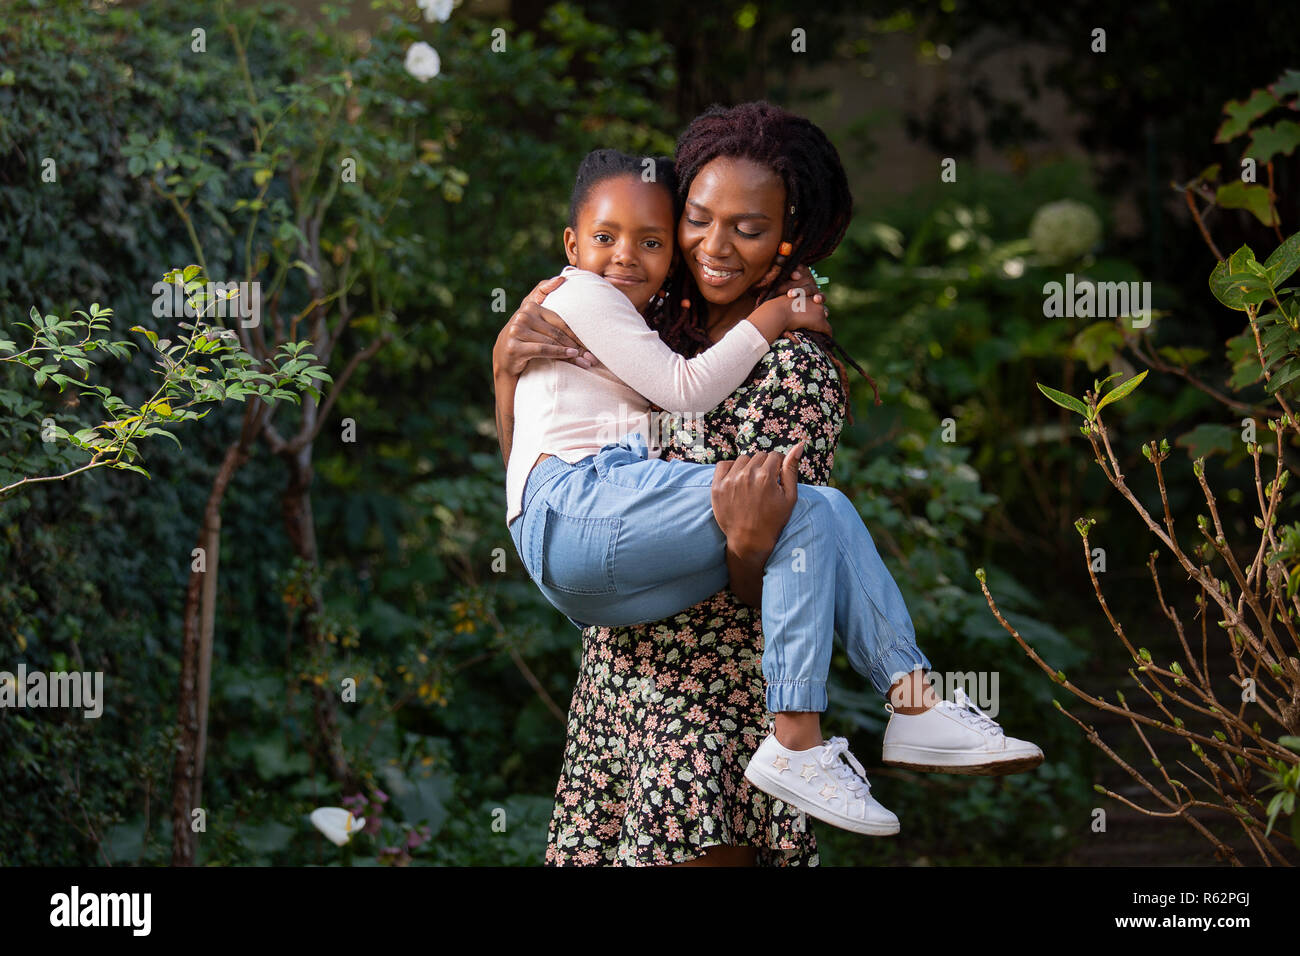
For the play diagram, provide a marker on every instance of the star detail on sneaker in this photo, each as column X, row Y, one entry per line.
column 781, row 763
column 808, row 772
column 828, row 791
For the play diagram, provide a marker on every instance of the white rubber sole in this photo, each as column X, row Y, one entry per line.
column 774, row 788
column 959, row 761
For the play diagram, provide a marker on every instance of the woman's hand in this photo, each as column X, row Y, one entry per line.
column 752, row 500
column 535, row 332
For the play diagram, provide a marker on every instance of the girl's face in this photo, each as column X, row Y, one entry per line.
column 625, row 233
column 731, row 228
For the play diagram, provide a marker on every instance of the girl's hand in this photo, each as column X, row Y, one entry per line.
column 536, row 332
column 789, row 312
column 802, row 278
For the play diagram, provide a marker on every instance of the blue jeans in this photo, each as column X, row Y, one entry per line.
column 618, row 538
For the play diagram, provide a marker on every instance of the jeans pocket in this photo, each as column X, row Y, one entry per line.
column 578, row 553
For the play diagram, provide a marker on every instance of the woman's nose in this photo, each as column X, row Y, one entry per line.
column 714, row 243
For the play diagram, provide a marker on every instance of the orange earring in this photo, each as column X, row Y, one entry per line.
column 785, row 248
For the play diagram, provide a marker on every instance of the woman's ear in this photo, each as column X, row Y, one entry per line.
column 571, row 245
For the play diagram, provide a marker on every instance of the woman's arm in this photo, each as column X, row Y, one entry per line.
column 605, row 320
column 503, row 385
column 533, row 332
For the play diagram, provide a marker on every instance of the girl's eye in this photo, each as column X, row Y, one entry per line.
column 602, row 237
column 653, row 243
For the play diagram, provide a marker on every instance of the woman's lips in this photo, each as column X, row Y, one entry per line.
column 716, row 277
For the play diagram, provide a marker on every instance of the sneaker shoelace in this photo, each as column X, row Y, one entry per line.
column 838, row 747
column 965, row 709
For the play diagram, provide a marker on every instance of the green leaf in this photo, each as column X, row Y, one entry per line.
column 124, row 465
column 1288, row 374
column 1098, row 343
column 1254, row 198
column 1284, row 261
column 1065, row 401
column 151, row 336
column 1269, row 141
column 1287, row 84
column 1241, row 113
column 1186, row 356
column 1206, row 440
column 1122, row 390
column 1208, row 175
column 1233, row 285
column 163, row 431
column 189, row 273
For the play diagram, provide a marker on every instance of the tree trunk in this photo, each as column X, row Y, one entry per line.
column 193, row 697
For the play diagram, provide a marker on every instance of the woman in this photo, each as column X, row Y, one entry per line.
column 664, row 714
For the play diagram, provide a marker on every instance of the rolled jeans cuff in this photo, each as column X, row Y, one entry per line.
column 897, row 661
column 796, row 695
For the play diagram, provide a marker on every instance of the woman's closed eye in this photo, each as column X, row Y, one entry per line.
column 700, row 224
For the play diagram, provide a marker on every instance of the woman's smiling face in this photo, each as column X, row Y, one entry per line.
column 731, row 227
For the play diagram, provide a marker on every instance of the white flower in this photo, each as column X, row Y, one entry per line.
column 422, row 61
column 439, row 10
column 1062, row 231
column 336, row 823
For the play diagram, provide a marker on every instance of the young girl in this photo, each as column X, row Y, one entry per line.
column 612, row 536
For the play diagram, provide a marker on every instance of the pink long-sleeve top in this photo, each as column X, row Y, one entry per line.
column 572, row 412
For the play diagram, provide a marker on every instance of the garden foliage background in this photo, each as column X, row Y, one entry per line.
column 463, row 673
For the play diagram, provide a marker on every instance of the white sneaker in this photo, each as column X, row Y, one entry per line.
column 955, row 738
column 820, row 784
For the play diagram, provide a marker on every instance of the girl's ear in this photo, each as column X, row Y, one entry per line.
column 571, row 245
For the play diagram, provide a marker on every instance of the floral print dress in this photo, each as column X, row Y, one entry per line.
column 665, row 716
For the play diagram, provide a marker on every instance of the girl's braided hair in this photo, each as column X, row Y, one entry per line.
column 603, row 164
column 815, row 186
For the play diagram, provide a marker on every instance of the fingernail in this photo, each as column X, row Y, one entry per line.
column 570, row 352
